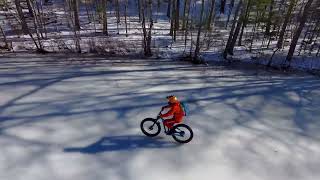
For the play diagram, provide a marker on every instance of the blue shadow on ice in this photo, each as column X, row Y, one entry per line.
column 122, row 143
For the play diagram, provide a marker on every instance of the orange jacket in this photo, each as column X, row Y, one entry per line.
column 175, row 110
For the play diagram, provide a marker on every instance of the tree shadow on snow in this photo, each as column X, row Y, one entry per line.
column 121, row 143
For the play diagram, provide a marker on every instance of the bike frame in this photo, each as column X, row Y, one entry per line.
column 157, row 121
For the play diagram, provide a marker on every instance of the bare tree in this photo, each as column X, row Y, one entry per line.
column 270, row 15
column 211, row 14
column 139, row 9
column 231, row 33
column 172, row 19
column 4, row 39
column 285, row 23
column 126, row 16
column 118, row 14
column 197, row 50
column 24, row 24
column 186, row 27
column 169, row 8
column 237, row 30
column 25, row 27
column 37, row 26
column 177, row 15
column 222, row 6
column 296, row 36
column 230, row 12
column 245, row 21
column 147, row 32
column 74, row 23
column 185, row 13
column 30, row 8
column 75, row 8
column 104, row 17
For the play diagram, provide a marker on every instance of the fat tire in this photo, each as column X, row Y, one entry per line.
column 146, row 132
column 185, row 126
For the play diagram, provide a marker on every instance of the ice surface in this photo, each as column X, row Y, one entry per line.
column 65, row 117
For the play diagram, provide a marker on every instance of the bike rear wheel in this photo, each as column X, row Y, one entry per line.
column 182, row 133
column 150, row 127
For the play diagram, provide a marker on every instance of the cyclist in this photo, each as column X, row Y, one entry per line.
column 175, row 113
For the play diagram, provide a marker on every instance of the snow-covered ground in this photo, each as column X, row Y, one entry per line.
column 60, row 37
column 65, row 117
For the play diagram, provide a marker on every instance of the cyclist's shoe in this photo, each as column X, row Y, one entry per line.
column 171, row 131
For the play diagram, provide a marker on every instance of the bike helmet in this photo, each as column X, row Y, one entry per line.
column 172, row 99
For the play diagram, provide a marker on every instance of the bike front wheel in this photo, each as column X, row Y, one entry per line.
column 182, row 133
column 150, row 127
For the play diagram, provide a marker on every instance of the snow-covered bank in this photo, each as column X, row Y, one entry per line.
column 80, row 120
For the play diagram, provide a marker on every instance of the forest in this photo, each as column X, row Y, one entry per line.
column 272, row 32
column 159, row 89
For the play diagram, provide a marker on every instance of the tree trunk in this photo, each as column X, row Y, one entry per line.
column 230, row 12
column 125, row 16
column 296, row 36
column 211, row 13
column 75, row 6
column 118, row 15
column 177, row 16
column 187, row 27
column 104, row 17
column 37, row 22
column 147, row 35
column 5, row 39
column 285, row 23
column 139, row 9
column 197, row 50
column 143, row 23
column 268, row 26
column 222, row 6
column 87, row 11
column 185, row 15
column 158, row 10
column 169, row 9
column 235, row 21
column 254, row 30
column 30, row 8
column 245, row 21
column 172, row 20
column 41, row 18
column 24, row 24
column 237, row 30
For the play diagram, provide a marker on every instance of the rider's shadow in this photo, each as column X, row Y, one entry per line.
column 122, row 143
